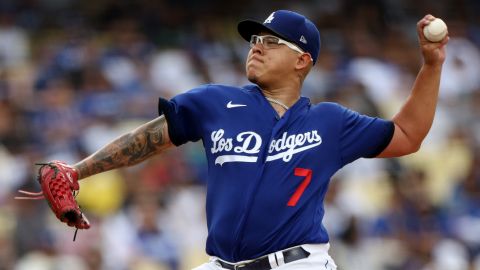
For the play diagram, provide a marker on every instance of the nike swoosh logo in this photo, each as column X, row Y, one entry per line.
column 231, row 105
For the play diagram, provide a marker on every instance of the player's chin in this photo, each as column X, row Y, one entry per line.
column 254, row 70
column 252, row 77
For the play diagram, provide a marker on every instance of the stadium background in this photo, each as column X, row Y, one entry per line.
column 76, row 74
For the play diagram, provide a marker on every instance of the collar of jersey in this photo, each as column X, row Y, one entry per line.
column 301, row 105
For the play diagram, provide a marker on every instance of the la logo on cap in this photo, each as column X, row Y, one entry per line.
column 270, row 18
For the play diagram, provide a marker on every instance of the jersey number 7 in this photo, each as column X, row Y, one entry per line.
column 307, row 173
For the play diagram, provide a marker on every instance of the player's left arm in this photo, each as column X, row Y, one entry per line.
column 131, row 148
column 415, row 118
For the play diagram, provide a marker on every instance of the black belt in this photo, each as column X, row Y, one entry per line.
column 289, row 255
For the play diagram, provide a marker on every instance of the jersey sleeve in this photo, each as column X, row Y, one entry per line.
column 363, row 136
column 183, row 115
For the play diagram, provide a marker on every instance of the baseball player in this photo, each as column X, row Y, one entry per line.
column 271, row 152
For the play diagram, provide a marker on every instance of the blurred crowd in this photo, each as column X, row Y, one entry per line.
column 76, row 74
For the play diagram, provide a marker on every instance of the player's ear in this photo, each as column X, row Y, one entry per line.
column 303, row 61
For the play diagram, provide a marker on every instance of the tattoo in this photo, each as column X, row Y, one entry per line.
column 129, row 149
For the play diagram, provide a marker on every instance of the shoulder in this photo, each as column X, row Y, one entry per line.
column 333, row 114
column 220, row 90
column 328, row 107
column 231, row 90
column 209, row 96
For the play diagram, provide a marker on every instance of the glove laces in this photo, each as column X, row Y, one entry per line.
column 32, row 195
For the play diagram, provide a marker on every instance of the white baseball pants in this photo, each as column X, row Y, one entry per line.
column 318, row 259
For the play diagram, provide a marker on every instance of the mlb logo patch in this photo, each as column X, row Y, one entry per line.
column 303, row 40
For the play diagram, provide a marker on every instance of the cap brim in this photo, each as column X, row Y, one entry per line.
column 247, row 28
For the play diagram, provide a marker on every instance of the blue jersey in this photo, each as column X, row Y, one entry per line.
column 268, row 175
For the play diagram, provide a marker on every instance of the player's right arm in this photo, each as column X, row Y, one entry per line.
column 415, row 118
column 129, row 149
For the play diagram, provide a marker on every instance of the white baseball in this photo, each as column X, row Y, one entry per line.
column 436, row 30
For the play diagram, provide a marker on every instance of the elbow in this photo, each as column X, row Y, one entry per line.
column 416, row 148
column 413, row 147
column 403, row 143
column 412, row 142
column 406, row 149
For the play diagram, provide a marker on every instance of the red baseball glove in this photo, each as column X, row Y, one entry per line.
column 59, row 183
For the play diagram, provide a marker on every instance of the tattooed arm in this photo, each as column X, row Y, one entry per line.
column 129, row 149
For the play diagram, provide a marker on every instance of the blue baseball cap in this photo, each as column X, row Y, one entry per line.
column 287, row 25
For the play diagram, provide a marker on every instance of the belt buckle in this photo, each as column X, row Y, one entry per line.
column 236, row 267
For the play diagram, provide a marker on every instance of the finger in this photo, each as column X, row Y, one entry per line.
column 426, row 20
column 445, row 40
column 420, row 25
column 440, row 44
column 429, row 17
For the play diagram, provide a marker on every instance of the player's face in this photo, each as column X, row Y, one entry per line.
column 270, row 61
